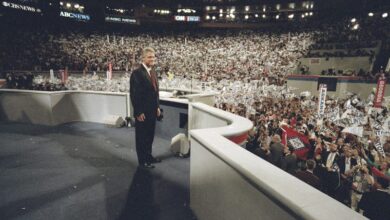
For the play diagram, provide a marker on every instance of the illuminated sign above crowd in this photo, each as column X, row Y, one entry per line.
column 77, row 16
column 21, row 7
column 187, row 18
column 125, row 20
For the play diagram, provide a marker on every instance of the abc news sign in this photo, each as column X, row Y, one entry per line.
column 77, row 16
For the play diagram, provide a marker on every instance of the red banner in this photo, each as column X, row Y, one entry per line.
column 380, row 92
column 298, row 141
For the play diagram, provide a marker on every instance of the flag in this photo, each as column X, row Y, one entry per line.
column 297, row 140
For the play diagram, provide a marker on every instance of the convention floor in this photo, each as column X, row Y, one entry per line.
column 87, row 171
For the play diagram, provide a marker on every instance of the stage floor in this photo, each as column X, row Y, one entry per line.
column 87, row 171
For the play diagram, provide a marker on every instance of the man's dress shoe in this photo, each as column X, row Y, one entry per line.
column 155, row 160
column 147, row 165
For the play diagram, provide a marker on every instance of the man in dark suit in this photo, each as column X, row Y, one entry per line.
column 308, row 177
column 331, row 171
column 376, row 204
column 276, row 150
column 289, row 161
column 346, row 163
column 144, row 94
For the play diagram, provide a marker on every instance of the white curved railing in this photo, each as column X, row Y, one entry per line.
column 53, row 108
column 228, row 182
column 57, row 107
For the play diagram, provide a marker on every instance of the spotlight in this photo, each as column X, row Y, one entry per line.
column 76, row 6
column 256, row 15
column 264, row 16
column 384, row 15
column 207, row 17
column 277, row 16
column 291, row 16
column 68, row 5
column 370, row 14
column 355, row 27
column 353, row 20
column 246, row 17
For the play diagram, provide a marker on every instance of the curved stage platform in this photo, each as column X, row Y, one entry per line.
column 87, row 171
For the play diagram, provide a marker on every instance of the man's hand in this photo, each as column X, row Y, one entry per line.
column 158, row 112
column 141, row 117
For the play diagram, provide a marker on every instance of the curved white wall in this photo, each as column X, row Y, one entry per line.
column 227, row 182
column 53, row 108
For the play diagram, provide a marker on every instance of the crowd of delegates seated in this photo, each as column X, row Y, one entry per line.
column 228, row 54
column 200, row 54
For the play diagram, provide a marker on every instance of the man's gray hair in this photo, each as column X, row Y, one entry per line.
column 147, row 50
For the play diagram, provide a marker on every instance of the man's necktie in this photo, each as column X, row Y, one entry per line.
column 154, row 80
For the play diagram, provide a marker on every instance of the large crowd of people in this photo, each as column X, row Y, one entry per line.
column 347, row 148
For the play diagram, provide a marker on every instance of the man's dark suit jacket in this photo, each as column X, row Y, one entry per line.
column 142, row 93
column 289, row 163
column 309, row 178
column 276, row 154
column 324, row 157
column 341, row 163
column 330, row 179
column 376, row 205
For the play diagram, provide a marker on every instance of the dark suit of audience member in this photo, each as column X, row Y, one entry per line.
column 345, row 163
column 276, row 149
column 144, row 95
column 289, row 161
column 252, row 143
column 331, row 175
column 376, row 204
column 308, row 176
